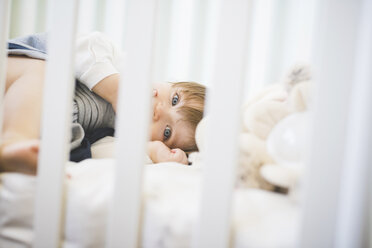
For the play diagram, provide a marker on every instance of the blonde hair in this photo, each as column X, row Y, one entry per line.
column 193, row 96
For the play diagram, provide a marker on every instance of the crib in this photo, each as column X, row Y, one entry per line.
column 335, row 209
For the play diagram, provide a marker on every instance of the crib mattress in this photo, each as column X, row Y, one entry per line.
column 171, row 202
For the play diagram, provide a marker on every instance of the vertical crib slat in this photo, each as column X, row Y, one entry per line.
column 28, row 15
column 87, row 16
column 115, row 20
column 132, row 123
column 355, row 187
column 222, row 135
column 4, row 32
column 334, row 51
column 260, row 45
column 181, row 37
column 56, row 122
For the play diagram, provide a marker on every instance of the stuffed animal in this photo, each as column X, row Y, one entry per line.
column 259, row 116
column 288, row 144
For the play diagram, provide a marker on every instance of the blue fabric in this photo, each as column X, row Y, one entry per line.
column 36, row 42
column 33, row 46
column 12, row 46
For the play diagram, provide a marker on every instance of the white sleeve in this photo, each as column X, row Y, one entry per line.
column 96, row 58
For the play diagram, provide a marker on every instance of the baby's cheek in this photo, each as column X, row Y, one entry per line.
column 155, row 133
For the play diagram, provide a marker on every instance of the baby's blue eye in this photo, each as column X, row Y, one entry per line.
column 167, row 133
column 175, row 99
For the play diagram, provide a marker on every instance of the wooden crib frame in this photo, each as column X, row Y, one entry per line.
column 341, row 134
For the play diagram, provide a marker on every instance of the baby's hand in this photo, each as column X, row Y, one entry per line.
column 177, row 155
column 159, row 152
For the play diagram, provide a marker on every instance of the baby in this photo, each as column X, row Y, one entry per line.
column 177, row 107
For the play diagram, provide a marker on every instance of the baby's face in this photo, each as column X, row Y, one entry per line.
column 167, row 125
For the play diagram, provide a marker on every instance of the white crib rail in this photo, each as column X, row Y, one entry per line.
column 223, row 104
column 87, row 16
column 341, row 133
column 4, row 32
column 56, row 119
column 335, row 74
column 132, row 123
column 260, row 44
column 115, row 20
column 356, row 190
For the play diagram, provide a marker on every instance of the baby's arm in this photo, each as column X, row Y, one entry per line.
column 107, row 88
column 159, row 152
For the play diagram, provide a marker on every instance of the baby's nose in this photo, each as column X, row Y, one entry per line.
column 158, row 110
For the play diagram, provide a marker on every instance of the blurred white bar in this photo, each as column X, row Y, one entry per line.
column 23, row 17
column 208, row 47
column 28, row 17
column 87, row 16
column 293, row 36
column 132, row 123
column 334, row 51
column 4, row 33
column 259, row 45
column 115, row 20
column 276, row 50
column 198, row 44
column 355, row 187
column 162, row 40
column 56, row 122
column 224, row 104
column 181, row 35
column 41, row 12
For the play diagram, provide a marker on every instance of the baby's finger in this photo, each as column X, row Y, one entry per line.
column 179, row 155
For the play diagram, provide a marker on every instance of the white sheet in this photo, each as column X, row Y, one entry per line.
column 171, row 195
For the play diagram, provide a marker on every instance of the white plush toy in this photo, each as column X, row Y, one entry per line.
column 257, row 167
column 288, row 144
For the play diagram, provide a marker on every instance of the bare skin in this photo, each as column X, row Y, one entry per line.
column 22, row 111
column 158, row 151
